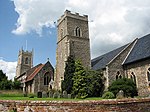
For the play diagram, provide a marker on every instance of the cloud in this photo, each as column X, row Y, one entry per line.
column 115, row 22
column 9, row 68
column 35, row 14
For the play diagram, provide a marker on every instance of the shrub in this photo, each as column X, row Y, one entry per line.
column 108, row 95
column 127, row 85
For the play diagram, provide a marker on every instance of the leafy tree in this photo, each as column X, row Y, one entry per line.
column 2, row 76
column 6, row 85
column 127, row 85
column 95, row 83
column 16, row 84
column 67, row 83
column 79, row 89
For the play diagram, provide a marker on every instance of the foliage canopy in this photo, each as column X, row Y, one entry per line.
column 67, row 83
column 87, row 83
column 6, row 84
column 125, row 84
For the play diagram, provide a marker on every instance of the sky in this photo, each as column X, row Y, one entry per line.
column 112, row 23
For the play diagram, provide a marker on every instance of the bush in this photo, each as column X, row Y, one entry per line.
column 127, row 85
column 108, row 95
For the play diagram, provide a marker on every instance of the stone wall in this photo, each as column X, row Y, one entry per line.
column 120, row 105
column 115, row 66
column 139, row 69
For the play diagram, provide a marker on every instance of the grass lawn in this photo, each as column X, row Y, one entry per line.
column 45, row 99
column 18, row 95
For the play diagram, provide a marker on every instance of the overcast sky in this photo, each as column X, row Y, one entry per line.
column 112, row 23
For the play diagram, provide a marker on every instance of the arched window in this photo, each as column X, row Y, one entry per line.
column 46, row 78
column 26, row 60
column 118, row 76
column 78, row 32
column 148, row 74
column 133, row 77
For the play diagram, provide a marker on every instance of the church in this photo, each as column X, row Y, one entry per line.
column 130, row 61
column 33, row 79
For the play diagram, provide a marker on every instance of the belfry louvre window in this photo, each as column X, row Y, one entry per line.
column 26, row 60
column 78, row 32
column 46, row 78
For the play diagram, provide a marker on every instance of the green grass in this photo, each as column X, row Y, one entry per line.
column 46, row 99
column 18, row 95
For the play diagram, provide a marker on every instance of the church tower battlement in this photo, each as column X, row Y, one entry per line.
column 25, row 62
column 72, row 39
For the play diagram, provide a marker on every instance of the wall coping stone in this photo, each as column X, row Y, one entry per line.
column 98, row 102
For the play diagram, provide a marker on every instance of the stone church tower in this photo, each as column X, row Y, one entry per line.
column 73, row 39
column 25, row 62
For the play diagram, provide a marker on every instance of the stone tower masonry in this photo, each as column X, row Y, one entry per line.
column 73, row 39
column 25, row 62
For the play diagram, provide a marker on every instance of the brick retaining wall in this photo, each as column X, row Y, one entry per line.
column 119, row 105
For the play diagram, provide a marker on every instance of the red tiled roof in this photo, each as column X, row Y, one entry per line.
column 34, row 73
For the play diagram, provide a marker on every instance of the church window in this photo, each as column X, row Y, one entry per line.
column 26, row 60
column 118, row 76
column 78, row 32
column 148, row 74
column 47, row 78
column 133, row 77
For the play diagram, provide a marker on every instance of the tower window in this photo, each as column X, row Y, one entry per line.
column 26, row 60
column 46, row 78
column 78, row 32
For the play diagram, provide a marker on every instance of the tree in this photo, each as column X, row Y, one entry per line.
column 16, row 84
column 79, row 89
column 6, row 84
column 67, row 83
column 2, row 76
column 125, row 84
column 95, row 83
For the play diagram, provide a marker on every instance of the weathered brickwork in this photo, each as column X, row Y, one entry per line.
column 73, row 39
column 139, row 69
column 120, row 105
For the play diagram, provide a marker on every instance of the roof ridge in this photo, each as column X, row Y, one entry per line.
column 134, row 43
column 35, row 71
column 119, row 53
